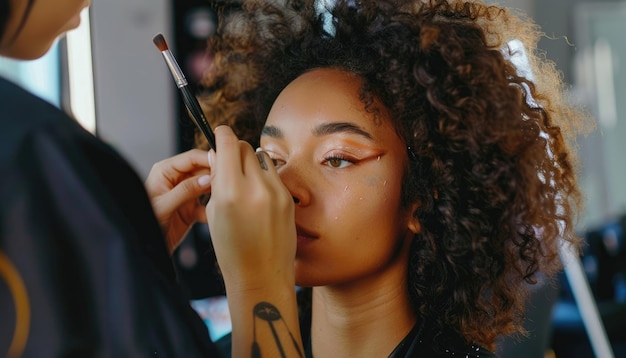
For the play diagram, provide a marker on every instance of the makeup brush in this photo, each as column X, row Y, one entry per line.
column 188, row 97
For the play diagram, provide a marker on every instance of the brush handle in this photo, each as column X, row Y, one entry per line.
column 197, row 115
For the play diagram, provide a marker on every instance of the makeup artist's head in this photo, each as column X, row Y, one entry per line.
column 28, row 28
column 407, row 139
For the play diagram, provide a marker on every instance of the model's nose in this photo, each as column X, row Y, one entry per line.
column 296, row 182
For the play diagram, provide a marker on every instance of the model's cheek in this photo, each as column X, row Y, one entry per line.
column 377, row 188
column 380, row 175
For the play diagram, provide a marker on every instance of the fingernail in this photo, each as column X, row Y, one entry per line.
column 211, row 157
column 204, row 180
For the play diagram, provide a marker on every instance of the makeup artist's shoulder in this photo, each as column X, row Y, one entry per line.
column 23, row 113
column 21, row 108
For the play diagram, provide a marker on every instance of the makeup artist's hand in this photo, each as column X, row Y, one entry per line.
column 250, row 214
column 252, row 225
column 174, row 185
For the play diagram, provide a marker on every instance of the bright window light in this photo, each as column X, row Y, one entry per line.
column 40, row 77
column 80, row 74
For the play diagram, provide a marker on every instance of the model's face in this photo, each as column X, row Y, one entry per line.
column 47, row 20
column 344, row 167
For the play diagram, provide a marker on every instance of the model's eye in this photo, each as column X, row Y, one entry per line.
column 277, row 162
column 275, row 158
column 337, row 162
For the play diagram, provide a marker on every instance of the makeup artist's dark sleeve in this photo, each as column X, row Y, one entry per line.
column 77, row 227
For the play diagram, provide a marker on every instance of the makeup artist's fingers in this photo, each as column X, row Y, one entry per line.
column 271, row 177
column 230, row 164
column 185, row 191
column 229, row 158
column 279, row 194
column 183, row 162
column 173, row 185
column 250, row 213
column 259, row 165
column 168, row 172
column 177, row 209
column 239, row 169
column 265, row 170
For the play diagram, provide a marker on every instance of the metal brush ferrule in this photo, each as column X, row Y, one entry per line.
column 177, row 73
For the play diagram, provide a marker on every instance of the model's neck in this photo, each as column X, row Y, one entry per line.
column 366, row 319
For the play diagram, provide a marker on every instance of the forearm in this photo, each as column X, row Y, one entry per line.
column 264, row 320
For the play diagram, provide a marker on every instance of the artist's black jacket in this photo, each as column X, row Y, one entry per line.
column 84, row 271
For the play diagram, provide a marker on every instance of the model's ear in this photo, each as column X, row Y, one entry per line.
column 413, row 222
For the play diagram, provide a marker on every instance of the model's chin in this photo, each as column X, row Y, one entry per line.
column 303, row 279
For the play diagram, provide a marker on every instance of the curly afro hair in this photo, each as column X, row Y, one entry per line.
column 493, row 170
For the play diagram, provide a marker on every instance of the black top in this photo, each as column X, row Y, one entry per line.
column 84, row 269
column 421, row 343
column 425, row 341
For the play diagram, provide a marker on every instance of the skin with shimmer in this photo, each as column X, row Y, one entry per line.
column 347, row 180
column 347, row 185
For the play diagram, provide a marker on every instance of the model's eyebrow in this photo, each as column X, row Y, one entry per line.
column 340, row 127
column 322, row 130
column 271, row 131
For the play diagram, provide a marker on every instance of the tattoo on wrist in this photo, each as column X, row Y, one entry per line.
column 267, row 312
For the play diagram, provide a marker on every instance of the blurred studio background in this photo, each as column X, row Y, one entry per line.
column 110, row 75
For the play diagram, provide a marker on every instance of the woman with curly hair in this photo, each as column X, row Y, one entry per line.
column 413, row 180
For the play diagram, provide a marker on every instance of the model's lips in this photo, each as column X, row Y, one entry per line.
column 304, row 234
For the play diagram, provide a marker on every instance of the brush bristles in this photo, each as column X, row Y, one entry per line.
column 160, row 43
